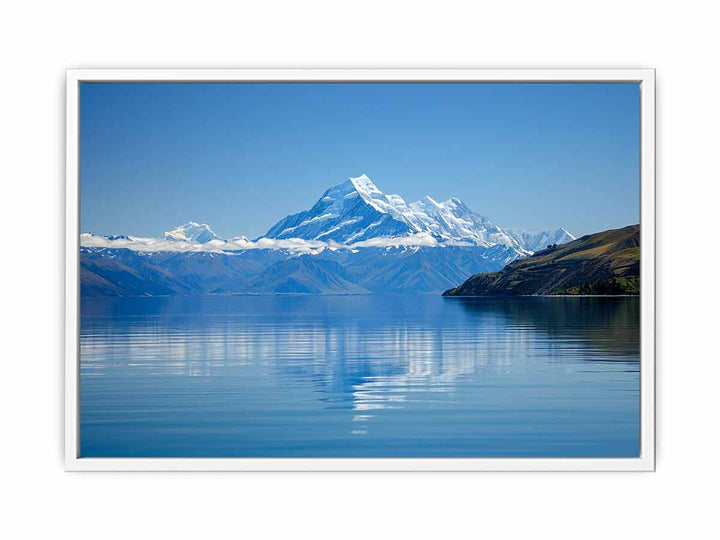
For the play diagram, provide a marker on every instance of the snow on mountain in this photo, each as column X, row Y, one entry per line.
column 355, row 239
column 540, row 240
column 453, row 220
column 192, row 232
column 352, row 215
column 350, row 212
column 356, row 211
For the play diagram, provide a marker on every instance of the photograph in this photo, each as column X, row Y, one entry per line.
column 360, row 269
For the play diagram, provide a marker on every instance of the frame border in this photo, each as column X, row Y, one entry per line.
column 646, row 460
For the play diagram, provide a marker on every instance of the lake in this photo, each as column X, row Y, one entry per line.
column 360, row 376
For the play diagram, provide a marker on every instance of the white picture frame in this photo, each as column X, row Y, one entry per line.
column 646, row 460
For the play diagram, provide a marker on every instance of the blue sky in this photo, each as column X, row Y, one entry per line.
column 242, row 156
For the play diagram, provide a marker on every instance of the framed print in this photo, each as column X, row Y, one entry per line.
column 384, row 269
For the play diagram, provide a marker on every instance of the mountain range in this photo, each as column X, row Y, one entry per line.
column 353, row 240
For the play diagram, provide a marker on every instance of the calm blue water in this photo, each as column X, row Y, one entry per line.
column 359, row 376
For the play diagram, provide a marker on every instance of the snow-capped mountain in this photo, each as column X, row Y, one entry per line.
column 350, row 212
column 354, row 240
column 356, row 211
column 192, row 232
column 540, row 240
column 353, row 215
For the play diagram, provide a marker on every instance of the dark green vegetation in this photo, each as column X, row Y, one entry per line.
column 614, row 286
column 605, row 263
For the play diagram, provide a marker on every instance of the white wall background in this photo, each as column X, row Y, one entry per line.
column 38, row 41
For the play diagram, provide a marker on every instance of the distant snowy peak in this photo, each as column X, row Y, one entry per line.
column 192, row 232
column 540, row 240
column 357, row 211
column 561, row 236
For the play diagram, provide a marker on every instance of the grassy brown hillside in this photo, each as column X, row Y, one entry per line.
column 603, row 263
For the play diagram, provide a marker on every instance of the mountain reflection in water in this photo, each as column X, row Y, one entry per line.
column 359, row 376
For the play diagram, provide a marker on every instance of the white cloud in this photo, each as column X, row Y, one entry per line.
column 139, row 243
column 420, row 239
column 296, row 245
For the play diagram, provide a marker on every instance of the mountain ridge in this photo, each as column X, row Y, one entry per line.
column 353, row 240
column 350, row 215
column 124, row 272
column 357, row 210
column 607, row 262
